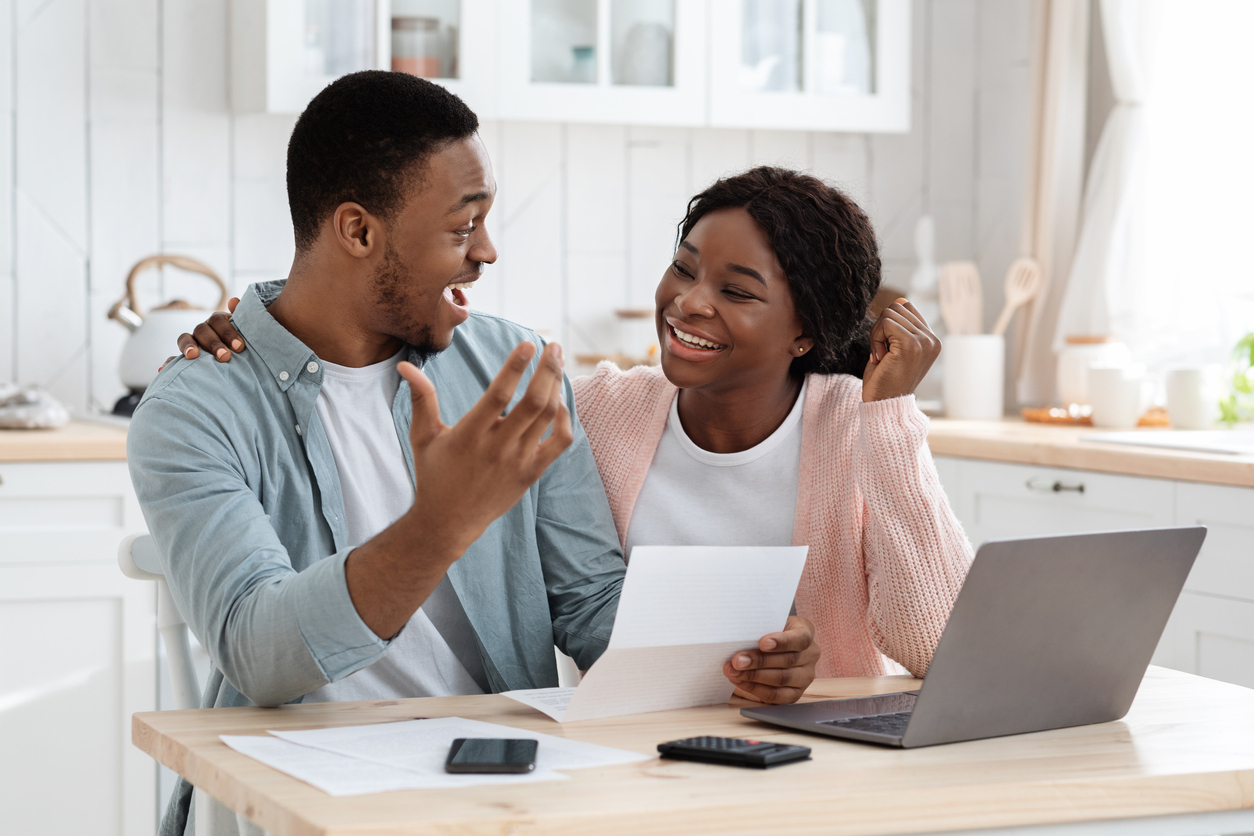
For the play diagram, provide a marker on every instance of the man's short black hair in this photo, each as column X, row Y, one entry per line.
column 363, row 139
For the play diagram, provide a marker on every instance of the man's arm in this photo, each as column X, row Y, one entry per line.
column 275, row 634
column 579, row 550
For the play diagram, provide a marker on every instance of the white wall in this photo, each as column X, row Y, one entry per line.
column 116, row 141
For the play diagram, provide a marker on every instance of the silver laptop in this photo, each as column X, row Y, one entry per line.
column 1047, row 632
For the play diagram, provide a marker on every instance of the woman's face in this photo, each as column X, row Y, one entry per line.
column 725, row 314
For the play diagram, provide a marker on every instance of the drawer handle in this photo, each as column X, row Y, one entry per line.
column 1053, row 486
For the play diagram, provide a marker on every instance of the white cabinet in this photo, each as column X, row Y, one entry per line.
column 824, row 65
column 79, row 653
column 450, row 42
column 1211, row 631
column 840, row 65
column 284, row 51
column 640, row 62
column 995, row 500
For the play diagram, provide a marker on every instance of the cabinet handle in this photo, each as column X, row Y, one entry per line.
column 1054, row 486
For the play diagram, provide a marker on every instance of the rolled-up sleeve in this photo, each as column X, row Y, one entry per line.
column 579, row 550
column 275, row 633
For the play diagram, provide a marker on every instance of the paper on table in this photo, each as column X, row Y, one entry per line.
column 421, row 746
column 341, row 775
column 683, row 612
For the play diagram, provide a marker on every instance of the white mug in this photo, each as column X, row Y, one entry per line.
column 974, row 365
column 1193, row 396
column 1115, row 393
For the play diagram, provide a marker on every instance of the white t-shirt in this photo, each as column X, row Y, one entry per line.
column 355, row 408
column 692, row 497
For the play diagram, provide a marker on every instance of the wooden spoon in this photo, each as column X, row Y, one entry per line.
column 961, row 299
column 1023, row 282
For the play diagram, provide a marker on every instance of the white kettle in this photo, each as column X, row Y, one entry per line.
column 154, row 335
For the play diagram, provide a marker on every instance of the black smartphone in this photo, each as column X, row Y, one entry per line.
column 491, row 754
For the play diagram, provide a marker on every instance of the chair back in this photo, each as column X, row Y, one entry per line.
column 138, row 559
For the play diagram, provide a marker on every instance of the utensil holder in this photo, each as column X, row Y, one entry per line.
column 974, row 369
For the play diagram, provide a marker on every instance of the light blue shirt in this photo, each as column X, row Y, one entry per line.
column 239, row 488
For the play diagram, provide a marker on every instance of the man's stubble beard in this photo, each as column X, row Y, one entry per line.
column 391, row 293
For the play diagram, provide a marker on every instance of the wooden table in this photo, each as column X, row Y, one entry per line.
column 1185, row 752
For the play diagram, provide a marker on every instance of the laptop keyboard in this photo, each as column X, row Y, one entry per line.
column 891, row 724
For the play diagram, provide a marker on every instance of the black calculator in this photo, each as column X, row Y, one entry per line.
column 733, row 751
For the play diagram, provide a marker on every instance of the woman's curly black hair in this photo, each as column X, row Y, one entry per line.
column 827, row 248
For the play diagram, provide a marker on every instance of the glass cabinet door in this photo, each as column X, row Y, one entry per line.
column 450, row 42
column 284, row 51
column 811, row 64
column 618, row 61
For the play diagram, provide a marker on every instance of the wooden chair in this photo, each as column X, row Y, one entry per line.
column 138, row 559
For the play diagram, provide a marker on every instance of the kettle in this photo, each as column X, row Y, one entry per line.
column 153, row 335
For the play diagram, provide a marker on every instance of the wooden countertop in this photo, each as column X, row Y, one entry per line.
column 1021, row 442
column 1185, row 747
column 76, row 441
column 1003, row 441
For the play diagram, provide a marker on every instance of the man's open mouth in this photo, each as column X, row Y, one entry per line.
column 456, row 291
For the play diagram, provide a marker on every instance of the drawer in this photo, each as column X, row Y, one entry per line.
column 1010, row 500
column 65, row 511
column 1226, row 563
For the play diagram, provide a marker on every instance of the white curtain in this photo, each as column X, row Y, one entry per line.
column 1106, row 267
column 1055, row 182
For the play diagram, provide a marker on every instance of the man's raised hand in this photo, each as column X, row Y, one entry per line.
column 469, row 474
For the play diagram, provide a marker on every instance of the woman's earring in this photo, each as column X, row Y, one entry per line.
column 801, row 350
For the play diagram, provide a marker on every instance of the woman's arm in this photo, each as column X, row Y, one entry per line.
column 915, row 551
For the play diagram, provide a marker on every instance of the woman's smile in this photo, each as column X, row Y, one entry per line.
column 686, row 343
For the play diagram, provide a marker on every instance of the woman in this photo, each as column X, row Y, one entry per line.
column 756, row 430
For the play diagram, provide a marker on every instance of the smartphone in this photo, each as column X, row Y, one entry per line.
column 491, row 754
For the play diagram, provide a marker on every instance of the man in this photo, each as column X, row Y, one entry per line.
column 300, row 536
column 313, row 554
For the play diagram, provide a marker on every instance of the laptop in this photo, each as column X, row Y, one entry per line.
column 1047, row 632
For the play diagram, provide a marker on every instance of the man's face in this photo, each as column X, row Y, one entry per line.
column 436, row 245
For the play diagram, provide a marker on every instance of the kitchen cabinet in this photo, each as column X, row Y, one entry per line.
column 79, row 655
column 996, row 500
column 450, row 42
column 1211, row 630
column 783, row 64
column 284, row 51
column 814, row 65
column 640, row 62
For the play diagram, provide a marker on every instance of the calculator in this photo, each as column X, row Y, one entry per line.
column 733, row 751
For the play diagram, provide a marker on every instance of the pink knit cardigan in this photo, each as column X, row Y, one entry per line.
column 887, row 556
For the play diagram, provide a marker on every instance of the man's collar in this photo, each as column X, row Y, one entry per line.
column 286, row 357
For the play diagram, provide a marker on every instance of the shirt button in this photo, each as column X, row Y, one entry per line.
column 283, row 375
column 312, row 368
column 298, row 429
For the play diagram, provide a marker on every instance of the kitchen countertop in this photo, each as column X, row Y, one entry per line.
column 77, row 441
column 1010, row 441
column 1020, row 442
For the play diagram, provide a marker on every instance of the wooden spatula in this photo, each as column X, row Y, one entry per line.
column 961, row 299
column 1023, row 282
